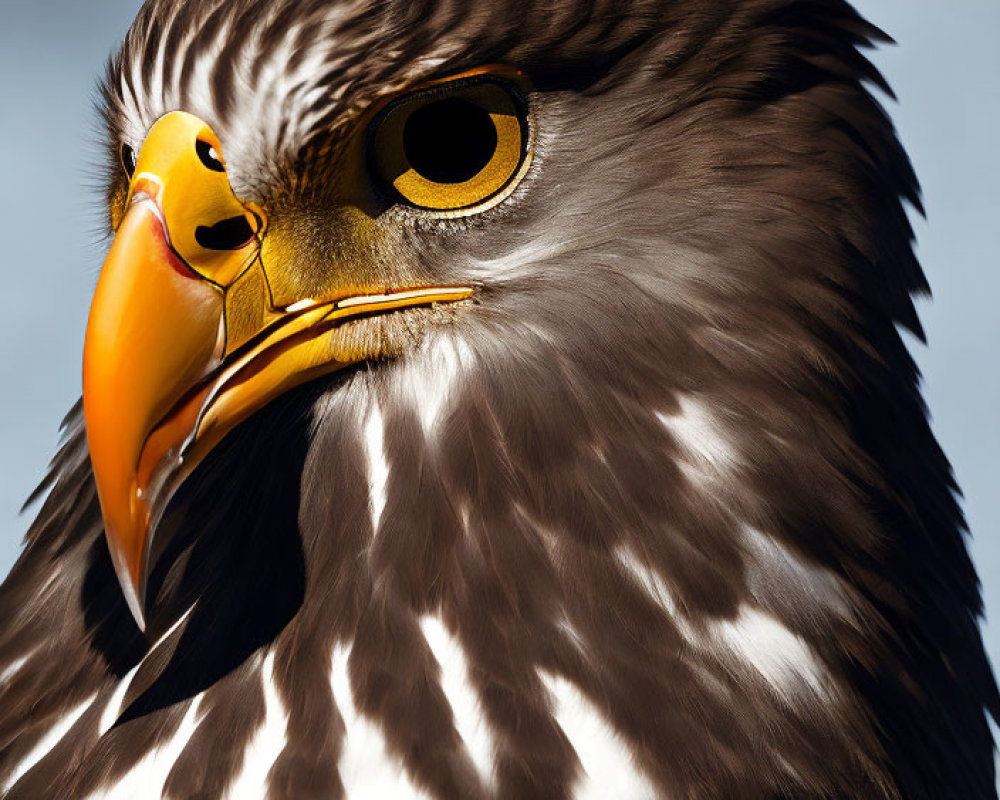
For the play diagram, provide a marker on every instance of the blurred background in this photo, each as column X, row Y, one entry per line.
column 946, row 74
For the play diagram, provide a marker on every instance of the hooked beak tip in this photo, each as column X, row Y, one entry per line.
column 135, row 605
column 133, row 586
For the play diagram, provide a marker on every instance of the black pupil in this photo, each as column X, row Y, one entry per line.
column 128, row 160
column 449, row 141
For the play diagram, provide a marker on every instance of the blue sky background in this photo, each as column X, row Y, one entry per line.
column 945, row 71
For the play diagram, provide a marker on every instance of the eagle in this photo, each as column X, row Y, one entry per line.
column 498, row 399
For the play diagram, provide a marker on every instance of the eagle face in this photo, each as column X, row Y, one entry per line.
column 327, row 208
column 499, row 400
column 210, row 305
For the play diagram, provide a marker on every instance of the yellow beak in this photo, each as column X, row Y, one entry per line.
column 184, row 341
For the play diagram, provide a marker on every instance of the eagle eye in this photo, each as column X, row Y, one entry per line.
column 456, row 149
column 208, row 156
column 126, row 155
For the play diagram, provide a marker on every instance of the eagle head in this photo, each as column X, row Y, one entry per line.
column 561, row 338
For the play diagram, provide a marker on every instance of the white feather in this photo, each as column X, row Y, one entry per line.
column 429, row 378
column 14, row 667
column 706, row 452
column 114, row 707
column 267, row 743
column 51, row 738
column 655, row 586
column 472, row 726
column 609, row 771
column 378, row 466
column 367, row 769
column 754, row 637
column 782, row 657
column 146, row 778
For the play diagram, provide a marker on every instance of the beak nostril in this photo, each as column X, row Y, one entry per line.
column 229, row 234
column 208, row 156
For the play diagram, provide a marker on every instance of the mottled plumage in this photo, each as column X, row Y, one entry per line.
column 659, row 515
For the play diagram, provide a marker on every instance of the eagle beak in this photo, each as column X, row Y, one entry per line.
column 183, row 340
